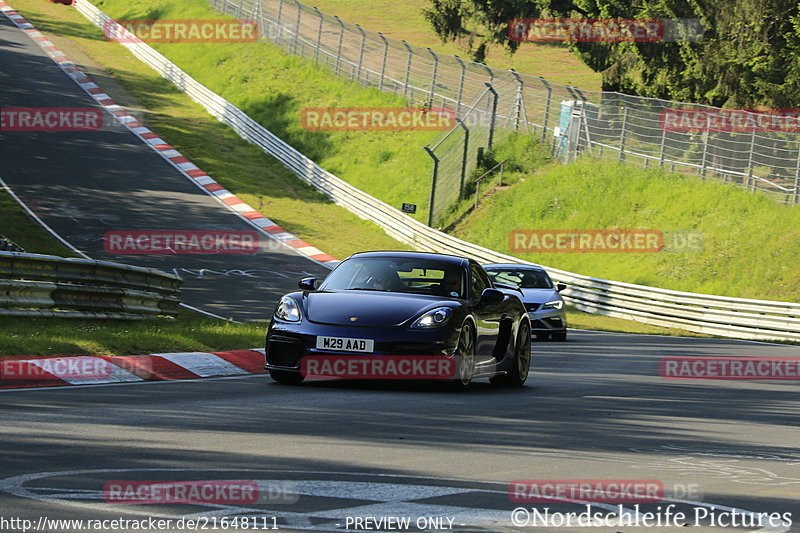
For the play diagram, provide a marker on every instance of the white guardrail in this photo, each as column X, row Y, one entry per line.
column 702, row 313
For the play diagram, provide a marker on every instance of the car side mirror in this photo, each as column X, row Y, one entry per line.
column 560, row 287
column 492, row 296
column 308, row 284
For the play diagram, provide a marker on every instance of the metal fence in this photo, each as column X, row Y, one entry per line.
column 45, row 285
column 457, row 152
column 571, row 121
column 715, row 315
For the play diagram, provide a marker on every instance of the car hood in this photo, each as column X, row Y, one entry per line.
column 539, row 296
column 369, row 308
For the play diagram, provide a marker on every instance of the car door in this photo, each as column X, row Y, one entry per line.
column 486, row 315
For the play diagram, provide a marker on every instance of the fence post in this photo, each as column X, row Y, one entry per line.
column 703, row 162
column 750, row 181
column 408, row 69
column 493, row 114
column 796, row 194
column 622, row 133
column 241, row 8
column 519, row 103
column 433, row 78
column 464, row 158
column 278, row 23
column 490, row 82
column 361, row 51
column 339, row 49
column 383, row 65
column 297, row 27
column 460, row 85
column 547, row 103
column 663, row 144
column 258, row 17
column 433, row 184
column 319, row 35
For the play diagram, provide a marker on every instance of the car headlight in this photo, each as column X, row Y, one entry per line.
column 555, row 304
column 433, row 318
column 287, row 310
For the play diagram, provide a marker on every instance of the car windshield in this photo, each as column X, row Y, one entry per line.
column 525, row 278
column 391, row 274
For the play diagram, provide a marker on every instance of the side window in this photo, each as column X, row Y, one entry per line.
column 479, row 281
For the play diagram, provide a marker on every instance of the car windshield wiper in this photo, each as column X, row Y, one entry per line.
column 367, row 289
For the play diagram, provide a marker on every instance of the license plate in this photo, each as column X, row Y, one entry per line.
column 344, row 344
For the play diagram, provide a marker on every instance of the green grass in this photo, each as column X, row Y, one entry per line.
column 750, row 244
column 255, row 177
column 188, row 333
column 19, row 227
column 750, row 248
column 404, row 20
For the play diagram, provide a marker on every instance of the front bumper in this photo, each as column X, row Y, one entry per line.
column 548, row 320
column 287, row 344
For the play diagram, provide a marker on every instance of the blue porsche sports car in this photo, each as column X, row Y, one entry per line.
column 377, row 304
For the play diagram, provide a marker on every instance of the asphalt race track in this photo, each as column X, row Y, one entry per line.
column 83, row 184
column 594, row 408
column 345, row 456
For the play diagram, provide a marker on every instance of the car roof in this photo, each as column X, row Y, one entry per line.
column 415, row 255
column 516, row 266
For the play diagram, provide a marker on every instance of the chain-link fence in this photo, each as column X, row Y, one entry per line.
column 457, row 152
column 605, row 124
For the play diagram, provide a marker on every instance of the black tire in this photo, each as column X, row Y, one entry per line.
column 522, row 360
column 560, row 336
column 465, row 358
column 285, row 377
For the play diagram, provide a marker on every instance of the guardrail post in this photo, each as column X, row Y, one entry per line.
column 663, row 145
column 383, row 64
column 319, row 35
column 408, row 69
column 622, row 133
column 339, row 49
column 297, row 27
column 278, row 22
column 361, row 51
column 433, row 77
column 433, row 184
column 464, row 158
column 460, row 85
column 493, row 113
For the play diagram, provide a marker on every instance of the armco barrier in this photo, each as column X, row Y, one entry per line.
column 715, row 315
column 45, row 285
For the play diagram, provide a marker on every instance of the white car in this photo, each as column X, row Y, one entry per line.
column 540, row 296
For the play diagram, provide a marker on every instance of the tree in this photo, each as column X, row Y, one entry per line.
column 748, row 56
